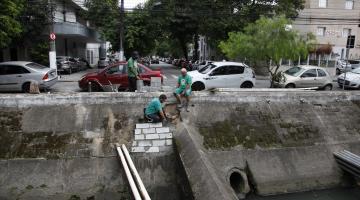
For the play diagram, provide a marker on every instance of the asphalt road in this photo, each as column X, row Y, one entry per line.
column 68, row 83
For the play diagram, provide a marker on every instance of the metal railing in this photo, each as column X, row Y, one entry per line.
column 348, row 162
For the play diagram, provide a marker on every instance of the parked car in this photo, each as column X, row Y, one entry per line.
column 81, row 63
column 223, row 75
column 345, row 66
column 306, row 76
column 17, row 76
column 352, row 79
column 103, row 62
column 115, row 74
column 66, row 64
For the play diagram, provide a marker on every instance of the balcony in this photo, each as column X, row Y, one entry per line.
column 69, row 29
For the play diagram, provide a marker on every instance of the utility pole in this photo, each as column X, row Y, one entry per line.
column 52, row 37
column 121, row 56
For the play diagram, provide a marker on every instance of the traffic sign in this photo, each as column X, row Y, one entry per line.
column 52, row 36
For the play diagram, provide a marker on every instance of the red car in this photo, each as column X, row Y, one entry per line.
column 116, row 74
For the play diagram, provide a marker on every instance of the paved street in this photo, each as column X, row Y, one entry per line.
column 68, row 83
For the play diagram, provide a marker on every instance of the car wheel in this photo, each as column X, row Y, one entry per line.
column 338, row 71
column 247, row 84
column 198, row 86
column 290, row 85
column 26, row 87
column 95, row 87
column 328, row 87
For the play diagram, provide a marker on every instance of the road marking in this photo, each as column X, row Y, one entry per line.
column 164, row 77
column 175, row 77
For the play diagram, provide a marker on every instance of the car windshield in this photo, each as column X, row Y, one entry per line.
column 35, row 66
column 207, row 68
column 356, row 71
column 294, row 71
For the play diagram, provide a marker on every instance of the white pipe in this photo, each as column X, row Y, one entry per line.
column 133, row 187
column 135, row 173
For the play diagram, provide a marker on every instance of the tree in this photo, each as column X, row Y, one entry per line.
column 10, row 26
column 268, row 40
column 104, row 14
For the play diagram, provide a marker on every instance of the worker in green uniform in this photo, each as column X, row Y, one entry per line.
column 133, row 71
column 183, row 88
column 154, row 111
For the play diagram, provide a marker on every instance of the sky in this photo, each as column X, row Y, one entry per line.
column 132, row 3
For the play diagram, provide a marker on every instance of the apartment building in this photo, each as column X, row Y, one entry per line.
column 74, row 36
column 331, row 21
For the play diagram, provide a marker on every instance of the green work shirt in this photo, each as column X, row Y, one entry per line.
column 133, row 70
column 184, row 81
column 153, row 107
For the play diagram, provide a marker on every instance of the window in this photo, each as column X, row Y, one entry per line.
column 309, row 73
column 349, row 4
column 321, row 73
column 2, row 70
column 322, row 3
column 219, row 71
column 119, row 69
column 346, row 32
column 235, row 69
column 35, row 66
column 321, row 31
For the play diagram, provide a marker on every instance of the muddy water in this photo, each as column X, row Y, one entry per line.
column 333, row 194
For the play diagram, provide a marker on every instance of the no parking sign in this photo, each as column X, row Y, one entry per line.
column 52, row 36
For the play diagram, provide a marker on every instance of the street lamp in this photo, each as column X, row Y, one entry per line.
column 121, row 49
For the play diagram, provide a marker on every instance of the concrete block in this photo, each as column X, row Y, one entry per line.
column 153, row 150
column 144, row 143
column 137, row 131
column 143, row 125
column 163, row 130
column 165, row 135
column 138, row 149
column 156, row 125
column 148, row 130
column 134, row 143
column 166, row 149
column 140, row 137
column 168, row 142
column 152, row 136
column 158, row 143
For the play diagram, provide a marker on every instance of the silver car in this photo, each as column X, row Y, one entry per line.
column 352, row 79
column 17, row 76
column 306, row 76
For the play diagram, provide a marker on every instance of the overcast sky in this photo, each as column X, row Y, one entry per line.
column 132, row 3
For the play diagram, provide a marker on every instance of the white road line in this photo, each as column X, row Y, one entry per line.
column 175, row 77
column 165, row 77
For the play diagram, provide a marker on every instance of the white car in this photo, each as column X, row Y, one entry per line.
column 17, row 76
column 352, row 79
column 223, row 75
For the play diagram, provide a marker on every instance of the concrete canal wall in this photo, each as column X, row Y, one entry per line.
column 60, row 146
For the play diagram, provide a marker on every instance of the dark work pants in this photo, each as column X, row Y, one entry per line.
column 154, row 117
column 132, row 84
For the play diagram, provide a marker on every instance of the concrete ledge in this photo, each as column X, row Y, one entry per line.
column 244, row 95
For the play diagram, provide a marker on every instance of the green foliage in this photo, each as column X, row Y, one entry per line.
column 265, row 40
column 39, row 53
column 10, row 27
column 105, row 15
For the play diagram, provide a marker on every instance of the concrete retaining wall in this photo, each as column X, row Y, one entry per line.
column 59, row 145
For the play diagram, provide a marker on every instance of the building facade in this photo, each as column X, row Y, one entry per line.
column 74, row 36
column 331, row 21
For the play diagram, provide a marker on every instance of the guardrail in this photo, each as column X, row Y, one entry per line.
column 137, row 186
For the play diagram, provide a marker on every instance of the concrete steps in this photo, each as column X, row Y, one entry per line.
column 151, row 138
